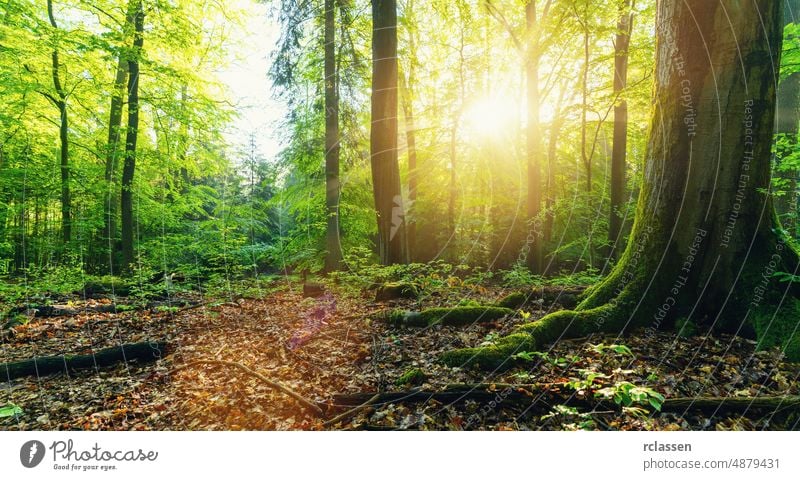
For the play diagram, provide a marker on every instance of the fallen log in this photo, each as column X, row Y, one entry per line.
column 51, row 311
column 731, row 404
column 481, row 393
column 351, row 412
column 47, row 311
column 40, row 366
column 547, row 395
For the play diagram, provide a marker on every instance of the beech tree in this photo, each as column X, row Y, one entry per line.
column 620, row 140
column 383, row 135
column 131, row 137
column 706, row 248
column 60, row 101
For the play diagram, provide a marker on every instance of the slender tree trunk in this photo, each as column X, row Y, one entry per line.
column 112, row 155
column 407, row 83
column 534, row 142
column 333, row 258
column 126, row 196
column 620, row 126
column 63, row 134
column 587, row 161
column 411, row 141
column 383, row 135
column 552, row 157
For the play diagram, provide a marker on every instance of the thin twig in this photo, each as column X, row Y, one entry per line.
column 275, row 385
column 352, row 411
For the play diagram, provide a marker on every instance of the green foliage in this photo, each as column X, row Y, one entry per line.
column 628, row 394
column 544, row 356
column 586, row 381
column 779, row 327
column 619, row 349
column 567, row 415
column 519, row 276
column 10, row 410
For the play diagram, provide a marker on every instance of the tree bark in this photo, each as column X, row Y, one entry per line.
column 333, row 245
column 63, row 133
column 706, row 241
column 112, row 154
column 39, row 366
column 383, row 135
column 126, row 196
column 620, row 126
column 534, row 141
column 411, row 142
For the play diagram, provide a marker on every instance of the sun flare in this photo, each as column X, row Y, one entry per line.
column 492, row 117
column 498, row 117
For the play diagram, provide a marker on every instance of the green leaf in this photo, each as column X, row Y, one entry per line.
column 655, row 403
column 10, row 410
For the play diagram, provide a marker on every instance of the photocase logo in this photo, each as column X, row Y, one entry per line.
column 31, row 453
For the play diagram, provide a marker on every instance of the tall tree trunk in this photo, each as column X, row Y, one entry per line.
column 383, row 135
column 705, row 242
column 587, row 161
column 552, row 157
column 534, row 141
column 620, row 126
column 63, row 133
column 407, row 91
column 112, row 155
column 411, row 142
column 333, row 245
column 126, row 196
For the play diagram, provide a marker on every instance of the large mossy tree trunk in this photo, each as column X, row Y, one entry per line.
column 706, row 242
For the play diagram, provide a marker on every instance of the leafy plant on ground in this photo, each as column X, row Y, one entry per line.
column 628, row 394
column 619, row 349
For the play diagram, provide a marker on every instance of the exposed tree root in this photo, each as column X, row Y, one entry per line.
column 456, row 316
column 533, row 336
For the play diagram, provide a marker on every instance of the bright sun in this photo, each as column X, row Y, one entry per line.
column 492, row 117
column 499, row 117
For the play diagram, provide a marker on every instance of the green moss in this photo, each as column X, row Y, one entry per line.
column 536, row 335
column 412, row 376
column 460, row 316
column 513, row 301
column 395, row 290
column 395, row 317
column 779, row 328
column 494, row 356
column 468, row 303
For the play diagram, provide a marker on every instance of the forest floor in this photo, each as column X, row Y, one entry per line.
column 338, row 345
